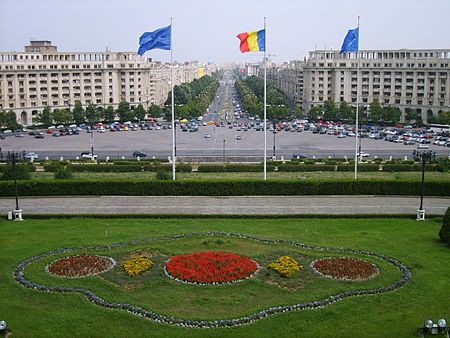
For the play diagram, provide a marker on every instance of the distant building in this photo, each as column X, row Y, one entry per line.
column 41, row 76
column 407, row 79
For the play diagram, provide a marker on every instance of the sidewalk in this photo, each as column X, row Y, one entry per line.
column 207, row 205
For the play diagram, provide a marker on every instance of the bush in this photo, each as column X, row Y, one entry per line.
column 23, row 172
column 306, row 167
column 221, row 188
column 213, row 168
column 163, row 175
column 361, row 167
column 106, row 168
column 444, row 233
column 309, row 161
column 63, row 173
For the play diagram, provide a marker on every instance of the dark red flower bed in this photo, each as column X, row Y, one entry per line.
column 345, row 268
column 210, row 267
column 80, row 266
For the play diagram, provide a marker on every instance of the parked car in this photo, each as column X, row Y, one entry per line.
column 207, row 136
column 139, row 154
column 39, row 135
column 31, row 156
column 88, row 155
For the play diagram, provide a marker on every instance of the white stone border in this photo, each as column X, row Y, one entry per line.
column 113, row 264
column 377, row 271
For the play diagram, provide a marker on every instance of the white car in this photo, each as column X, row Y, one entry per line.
column 423, row 146
column 363, row 154
column 88, row 156
column 32, row 156
column 207, row 136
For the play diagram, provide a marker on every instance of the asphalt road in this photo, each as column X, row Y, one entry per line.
column 158, row 143
column 179, row 205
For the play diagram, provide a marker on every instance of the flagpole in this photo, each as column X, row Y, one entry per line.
column 173, row 106
column 265, row 102
column 357, row 108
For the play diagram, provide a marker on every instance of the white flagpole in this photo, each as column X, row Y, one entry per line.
column 173, row 106
column 265, row 102
column 357, row 109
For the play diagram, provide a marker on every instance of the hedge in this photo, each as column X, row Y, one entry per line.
column 306, row 167
column 221, row 188
column 414, row 167
column 444, row 233
column 361, row 167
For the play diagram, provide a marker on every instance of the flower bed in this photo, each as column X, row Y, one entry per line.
column 137, row 265
column 80, row 266
column 285, row 266
column 345, row 268
column 210, row 267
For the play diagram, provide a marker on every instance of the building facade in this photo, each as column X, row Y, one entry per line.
column 407, row 79
column 288, row 77
column 43, row 77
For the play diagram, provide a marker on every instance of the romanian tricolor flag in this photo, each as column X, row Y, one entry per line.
column 253, row 41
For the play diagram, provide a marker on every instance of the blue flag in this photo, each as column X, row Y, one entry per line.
column 351, row 41
column 159, row 38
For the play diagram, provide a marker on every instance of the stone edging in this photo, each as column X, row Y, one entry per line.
column 18, row 275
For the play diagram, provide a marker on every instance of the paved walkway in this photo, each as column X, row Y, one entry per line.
column 225, row 205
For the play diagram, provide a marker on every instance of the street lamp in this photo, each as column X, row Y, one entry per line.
column 424, row 157
column 14, row 157
column 274, row 132
column 223, row 151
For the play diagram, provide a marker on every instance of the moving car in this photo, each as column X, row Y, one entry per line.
column 138, row 153
column 88, row 156
column 31, row 156
column 207, row 136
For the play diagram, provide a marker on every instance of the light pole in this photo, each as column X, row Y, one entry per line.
column 223, row 151
column 274, row 132
column 14, row 157
column 424, row 157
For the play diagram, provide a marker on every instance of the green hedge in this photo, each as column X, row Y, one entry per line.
column 444, row 233
column 232, row 168
column 361, row 167
column 305, row 167
column 414, row 167
column 23, row 171
column 221, row 188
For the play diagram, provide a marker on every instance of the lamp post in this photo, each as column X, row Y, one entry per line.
column 223, row 151
column 14, row 157
column 424, row 157
column 274, row 132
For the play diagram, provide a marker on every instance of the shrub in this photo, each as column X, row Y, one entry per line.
column 63, row 173
column 163, row 175
column 361, row 167
column 306, row 167
column 213, row 168
column 23, row 172
column 309, row 161
column 444, row 233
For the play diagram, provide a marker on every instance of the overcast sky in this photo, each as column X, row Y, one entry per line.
column 205, row 30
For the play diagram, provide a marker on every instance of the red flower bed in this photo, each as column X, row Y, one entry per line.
column 345, row 268
column 80, row 266
column 210, row 267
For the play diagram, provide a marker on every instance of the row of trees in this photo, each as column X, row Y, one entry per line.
column 192, row 99
column 375, row 113
column 251, row 93
column 8, row 120
column 94, row 113
column 442, row 118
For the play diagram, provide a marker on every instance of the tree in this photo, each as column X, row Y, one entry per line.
column 92, row 113
column 345, row 111
column 315, row 112
column 124, row 112
column 78, row 114
column 8, row 119
column 140, row 112
column 45, row 117
column 108, row 114
column 154, row 110
column 442, row 118
column 376, row 111
column 61, row 116
column 330, row 110
column 391, row 115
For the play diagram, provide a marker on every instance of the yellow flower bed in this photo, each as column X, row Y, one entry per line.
column 136, row 265
column 286, row 266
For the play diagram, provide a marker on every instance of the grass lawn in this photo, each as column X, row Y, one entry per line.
column 31, row 313
column 326, row 175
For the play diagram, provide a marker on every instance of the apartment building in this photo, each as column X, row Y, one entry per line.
column 407, row 79
column 288, row 77
column 41, row 76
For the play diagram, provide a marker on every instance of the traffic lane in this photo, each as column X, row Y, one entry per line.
column 295, row 205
